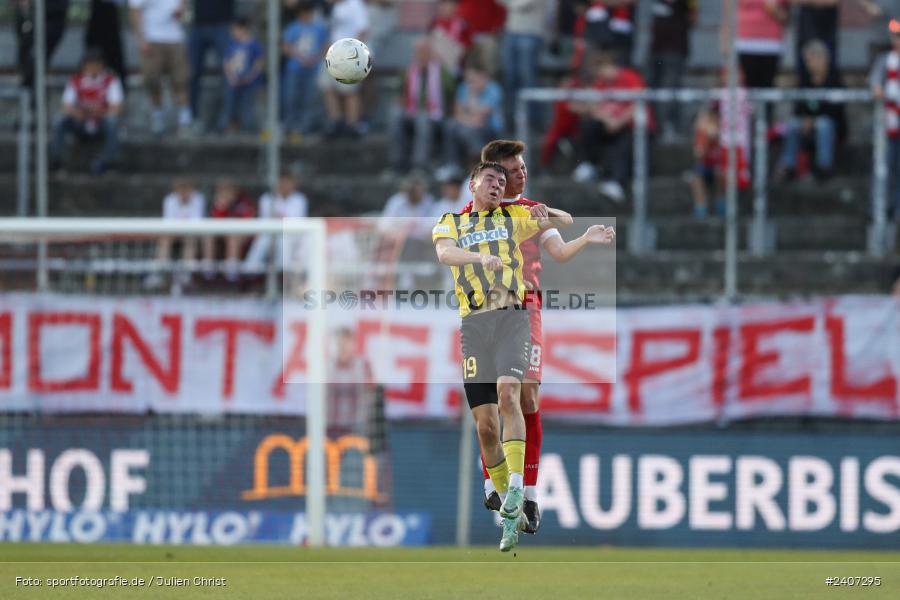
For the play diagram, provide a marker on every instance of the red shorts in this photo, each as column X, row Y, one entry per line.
column 535, row 358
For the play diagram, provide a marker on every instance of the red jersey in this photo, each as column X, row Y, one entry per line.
column 531, row 255
column 242, row 208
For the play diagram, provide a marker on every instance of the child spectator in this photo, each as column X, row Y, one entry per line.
column 477, row 116
column 816, row 124
column 304, row 43
column 450, row 36
column 420, row 110
column 343, row 102
column 183, row 202
column 243, row 67
column 90, row 109
column 156, row 25
column 885, row 82
column 228, row 203
column 715, row 131
column 287, row 202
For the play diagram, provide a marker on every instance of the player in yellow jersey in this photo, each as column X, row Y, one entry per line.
column 482, row 249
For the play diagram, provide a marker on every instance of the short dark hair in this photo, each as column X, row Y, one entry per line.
column 242, row 21
column 501, row 150
column 485, row 165
column 93, row 55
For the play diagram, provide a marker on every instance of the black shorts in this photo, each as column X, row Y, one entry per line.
column 495, row 343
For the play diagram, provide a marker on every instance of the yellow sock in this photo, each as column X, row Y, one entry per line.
column 499, row 475
column 515, row 456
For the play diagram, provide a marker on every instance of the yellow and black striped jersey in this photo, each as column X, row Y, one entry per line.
column 498, row 232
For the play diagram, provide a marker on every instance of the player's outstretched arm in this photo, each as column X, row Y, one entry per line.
column 450, row 254
column 565, row 251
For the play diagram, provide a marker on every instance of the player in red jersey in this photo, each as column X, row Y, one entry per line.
column 509, row 154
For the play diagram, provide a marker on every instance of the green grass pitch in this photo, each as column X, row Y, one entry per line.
column 260, row 573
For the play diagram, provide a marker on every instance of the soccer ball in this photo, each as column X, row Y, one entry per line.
column 348, row 60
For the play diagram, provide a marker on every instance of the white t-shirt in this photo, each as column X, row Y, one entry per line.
column 174, row 208
column 279, row 207
column 349, row 18
column 400, row 214
column 159, row 22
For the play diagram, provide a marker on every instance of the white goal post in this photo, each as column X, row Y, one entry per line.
column 44, row 230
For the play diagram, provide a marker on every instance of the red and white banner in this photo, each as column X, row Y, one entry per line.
column 645, row 366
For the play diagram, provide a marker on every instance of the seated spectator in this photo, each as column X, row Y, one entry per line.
column 715, row 131
column 605, row 138
column 343, row 102
column 420, row 110
column 477, row 116
column 286, row 203
column 183, row 202
column 885, row 82
column 451, row 199
column 91, row 103
column 304, row 44
column 243, row 68
column 157, row 28
column 816, row 124
column 228, row 203
column 450, row 36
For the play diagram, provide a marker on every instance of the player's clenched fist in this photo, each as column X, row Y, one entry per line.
column 491, row 262
column 539, row 211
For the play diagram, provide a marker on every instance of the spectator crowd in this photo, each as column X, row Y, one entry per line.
column 461, row 84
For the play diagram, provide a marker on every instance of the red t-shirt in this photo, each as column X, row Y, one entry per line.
column 531, row 256
column 483, row 16
column 626, row 79
column 242, row 208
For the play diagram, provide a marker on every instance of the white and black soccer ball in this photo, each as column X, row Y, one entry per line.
column 348, row 60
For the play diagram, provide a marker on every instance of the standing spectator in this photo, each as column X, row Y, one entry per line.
column 104, row 31
column 183, row 202
column 343, row 102
column 243, row 66
column 816, row 123
column 55, row 20
column 477, row 116
column 156, row 25
column 420, row 110
column 450, row 35
column 304, row 43
column 485, row 19
column 90, row 109
column 705, row 175
column 209, row 31
column 351, row 388
column 885, row 82
column 607, row 25
column 286, row 203
column 760, row 38
column 228, row 203
column 606, row 127
column 521, row 48
column 669, row 50
column 382, row 24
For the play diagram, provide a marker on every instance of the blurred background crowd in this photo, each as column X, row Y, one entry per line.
column 129, row 78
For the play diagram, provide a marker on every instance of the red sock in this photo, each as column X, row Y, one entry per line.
column 484, row 467
column 533, row 435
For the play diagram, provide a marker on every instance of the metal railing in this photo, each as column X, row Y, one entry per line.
column 761, row 231
column 22, row 117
